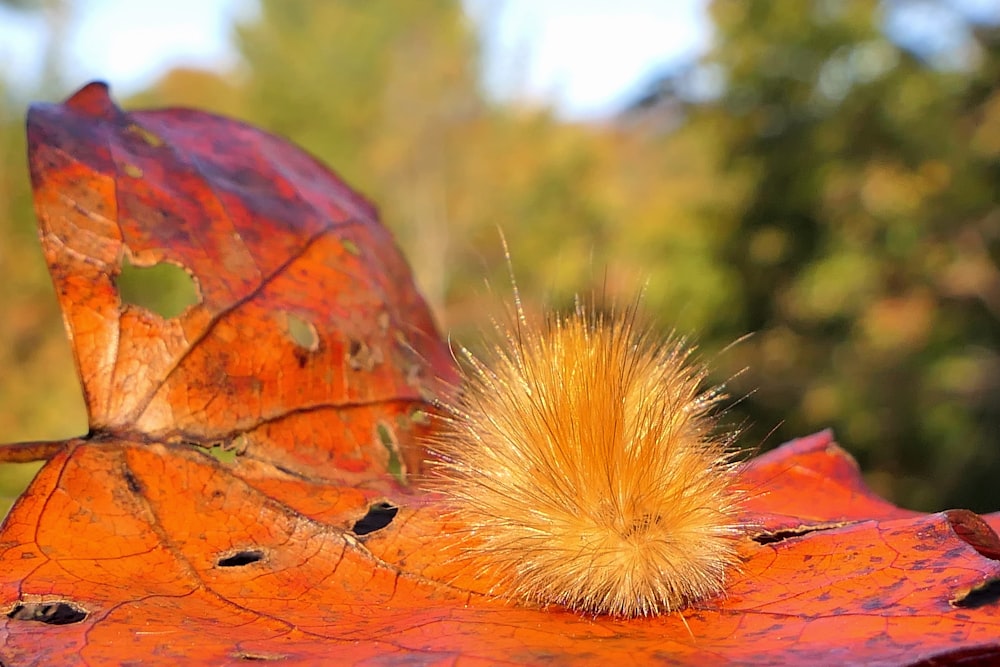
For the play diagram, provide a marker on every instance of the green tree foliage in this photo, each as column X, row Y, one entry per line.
column 37, row 368
column 867, row 243
column 392, row 97
column 39, row 393
column 836, row 199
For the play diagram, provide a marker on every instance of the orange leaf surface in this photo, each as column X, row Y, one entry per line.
column 132, row 544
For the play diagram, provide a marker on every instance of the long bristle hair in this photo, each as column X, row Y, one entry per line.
column 585, row 458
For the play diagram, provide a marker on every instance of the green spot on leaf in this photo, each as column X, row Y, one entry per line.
column 149, row 137
column 302, row 332
column 388, row 441
column 132, row 170
column 351, row 247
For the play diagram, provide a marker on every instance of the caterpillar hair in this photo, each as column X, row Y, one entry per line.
column 585, row 457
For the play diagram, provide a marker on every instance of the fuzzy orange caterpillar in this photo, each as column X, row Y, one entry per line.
column 585, row 458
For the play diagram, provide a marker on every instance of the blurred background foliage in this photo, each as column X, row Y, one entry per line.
column 816, row 179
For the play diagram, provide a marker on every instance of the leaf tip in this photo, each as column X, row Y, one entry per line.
column 94, row 99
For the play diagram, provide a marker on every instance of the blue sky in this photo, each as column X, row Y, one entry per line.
column 587, row 57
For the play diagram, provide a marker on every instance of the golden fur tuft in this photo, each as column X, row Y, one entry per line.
column 585, row 458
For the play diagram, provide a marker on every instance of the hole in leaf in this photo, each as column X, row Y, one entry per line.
column 981, row 596
column 222, row 454
column 394, row 465
column 133, row 483
column 259, row 656
column 361, row 356
column 302, row 332
column 782, row 535
column 379, row 516
column 50, row 613
column 241, row 558
column 165, row 289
